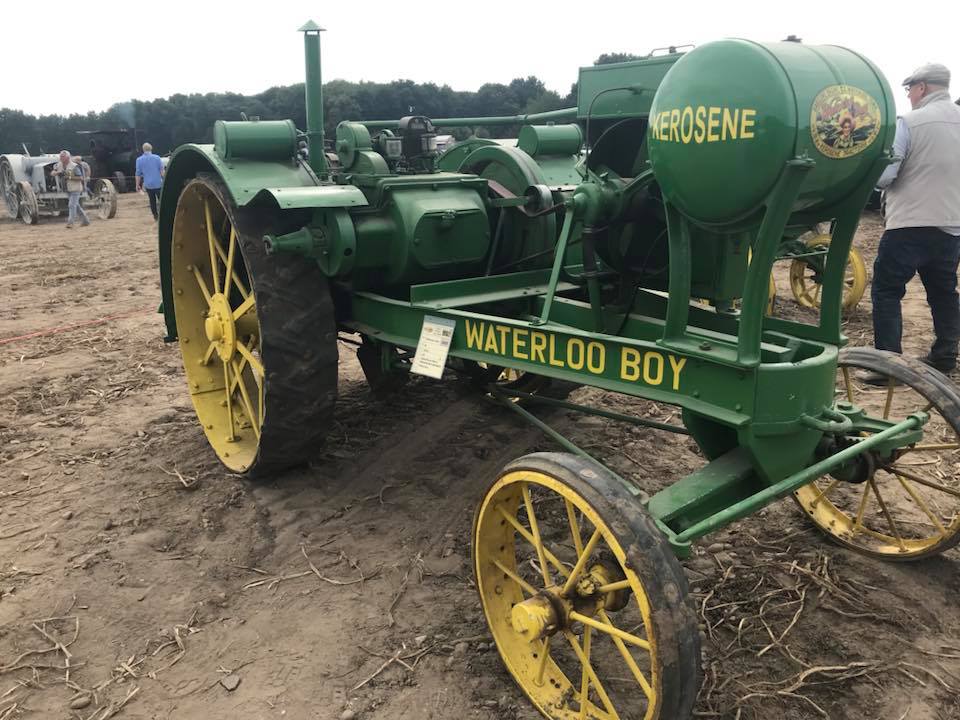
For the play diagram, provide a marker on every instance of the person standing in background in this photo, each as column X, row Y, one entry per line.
column 922, row 191
column 85, row 167
column 150, row 176
column 72, row 175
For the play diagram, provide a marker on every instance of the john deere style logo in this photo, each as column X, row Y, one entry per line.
column 844, row 121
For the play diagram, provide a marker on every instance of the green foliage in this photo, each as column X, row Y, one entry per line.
column 167, row 123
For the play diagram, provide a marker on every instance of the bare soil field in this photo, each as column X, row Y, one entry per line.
column 140, row 579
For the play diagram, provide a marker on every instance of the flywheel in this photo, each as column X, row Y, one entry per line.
column 257, row 334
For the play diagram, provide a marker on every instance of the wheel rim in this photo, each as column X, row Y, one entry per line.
column 9, row 187
column 106, row 200
column 218, row 328
column 910, row 507
column 565, row 640
column 29, row 212
column 805, row 278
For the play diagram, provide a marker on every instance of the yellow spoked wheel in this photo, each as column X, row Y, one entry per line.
column 584, row 598
column 806, row 284
column 509, row 378
column 906, row 505
column 257, row 334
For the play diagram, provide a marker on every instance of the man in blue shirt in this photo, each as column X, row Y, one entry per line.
column 150, row 176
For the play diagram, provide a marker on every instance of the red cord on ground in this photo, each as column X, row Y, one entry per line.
column 64, row 328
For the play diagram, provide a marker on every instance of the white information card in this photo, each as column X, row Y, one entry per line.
column 433, row 346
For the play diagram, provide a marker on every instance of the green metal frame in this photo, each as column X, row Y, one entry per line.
column 756, row 393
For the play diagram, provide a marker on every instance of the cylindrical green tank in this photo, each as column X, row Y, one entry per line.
column 730, row 114
column 260, row 140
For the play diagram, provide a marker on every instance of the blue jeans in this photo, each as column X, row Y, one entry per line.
column 935, row 255
column 74, row 207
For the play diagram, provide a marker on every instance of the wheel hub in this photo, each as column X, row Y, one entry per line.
column 549, row 611
column 220, row 328
column 535, row 618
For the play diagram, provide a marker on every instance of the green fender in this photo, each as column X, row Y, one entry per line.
column 284, row 184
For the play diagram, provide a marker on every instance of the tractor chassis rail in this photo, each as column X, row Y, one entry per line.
column 674, row 506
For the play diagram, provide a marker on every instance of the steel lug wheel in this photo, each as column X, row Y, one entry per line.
column 805, row 281
column 584, row 598
column 257, row 334
column 903, row 506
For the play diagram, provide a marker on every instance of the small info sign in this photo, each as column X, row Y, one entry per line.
column 433, row 346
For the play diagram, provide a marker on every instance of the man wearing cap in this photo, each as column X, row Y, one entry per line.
column 922, row 191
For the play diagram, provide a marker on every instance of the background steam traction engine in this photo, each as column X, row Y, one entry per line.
column 573, row 257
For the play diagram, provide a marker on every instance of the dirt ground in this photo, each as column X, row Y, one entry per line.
column 139, row 579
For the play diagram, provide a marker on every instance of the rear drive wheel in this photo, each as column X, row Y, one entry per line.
column 28, row 207
column 8, row 188
column 257, row 334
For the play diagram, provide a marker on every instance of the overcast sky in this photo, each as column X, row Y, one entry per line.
column 155, row 49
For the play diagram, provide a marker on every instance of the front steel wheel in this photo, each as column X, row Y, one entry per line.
column 905, row 506
column 257, row 334
column 584, row 598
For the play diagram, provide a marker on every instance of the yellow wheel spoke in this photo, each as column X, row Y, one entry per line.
column 923, row 481
column 248, row 406
column 846, row 381
column 610, row 630
column 574, row 527
column 823, row 493
column 238, row 372
column 938, row 446
column 255, row 364
column 535, row 532
column 614, row 587
column 530, row 589
column 227, row 389
column 581, row 562
column 228, row 273
column 236, row 278
column 886, row 407
column 202, row 283
column 886, row 512
column 529, row 538
column 572, row 639
column 214, row 246
column 858, row 522
column 248, row 304
column 208, row 355
column 584, row 675
column 631, row 663
column 542, row 664
column 923, row 506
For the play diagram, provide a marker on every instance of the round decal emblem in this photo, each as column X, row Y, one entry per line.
column 844, row 121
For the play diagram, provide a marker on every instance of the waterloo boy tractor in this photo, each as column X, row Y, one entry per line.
column 572, row 257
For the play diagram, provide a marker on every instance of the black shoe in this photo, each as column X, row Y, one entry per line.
column 943, row 366
column 877, row 379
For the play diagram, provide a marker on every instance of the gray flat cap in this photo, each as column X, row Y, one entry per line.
column 933, row 73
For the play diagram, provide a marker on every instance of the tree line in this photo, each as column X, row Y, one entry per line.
column 170, row 122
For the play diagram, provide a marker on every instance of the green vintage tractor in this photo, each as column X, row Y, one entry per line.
column 572, row 256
